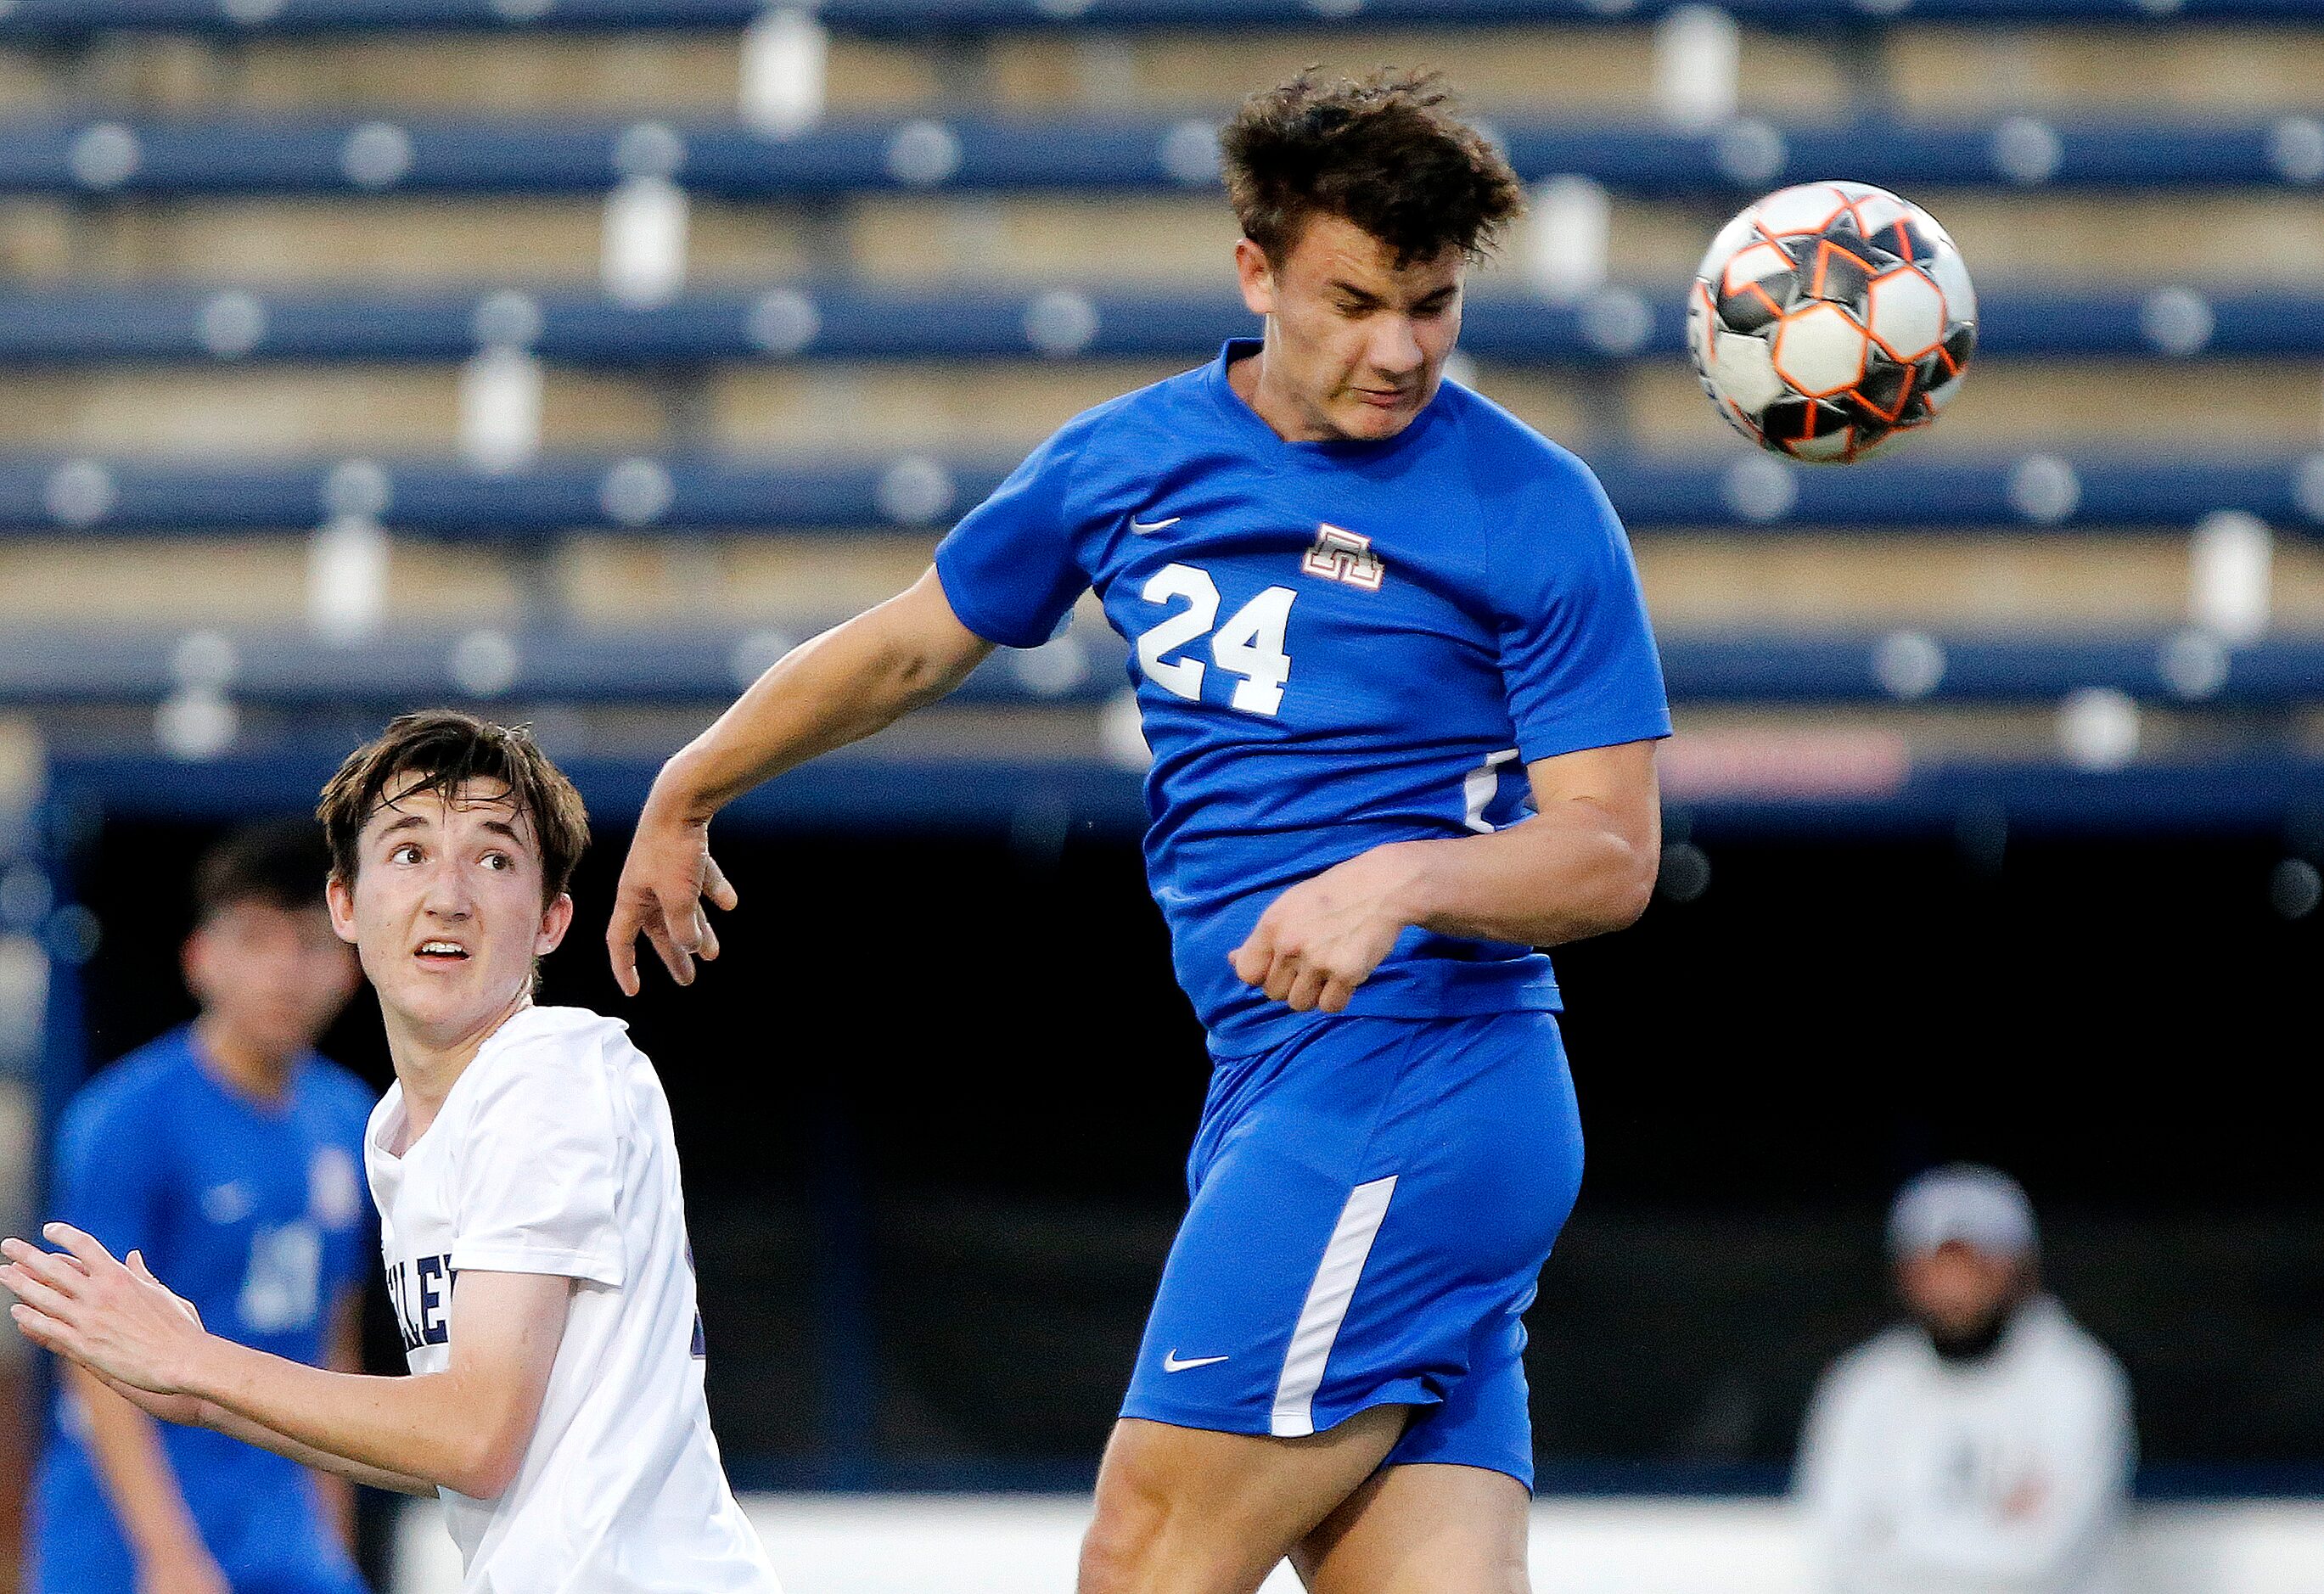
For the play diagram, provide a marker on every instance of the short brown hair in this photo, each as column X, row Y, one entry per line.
column 446, row 750
column 1385, row 152
column 280, row 863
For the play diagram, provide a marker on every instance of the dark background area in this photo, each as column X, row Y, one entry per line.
column 934, row 1104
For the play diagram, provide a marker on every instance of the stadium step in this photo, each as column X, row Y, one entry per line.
column 62, row 20
column 1502, row 69
column 1701, row 582
column 2116, row 242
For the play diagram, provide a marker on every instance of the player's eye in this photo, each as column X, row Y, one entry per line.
column 498, row 861
column 405, row 853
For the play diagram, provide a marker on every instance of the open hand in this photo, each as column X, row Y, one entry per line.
column 1324, row 937
column 187, row 1411
column 120, row 1323
column 668, row 877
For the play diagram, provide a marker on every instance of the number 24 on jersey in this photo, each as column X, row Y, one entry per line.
column 1249, row 645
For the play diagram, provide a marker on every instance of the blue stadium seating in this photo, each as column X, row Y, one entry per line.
column 97, row 159
column 846, row 321
column 289, row 670
column 434, row 498
column 285, row 155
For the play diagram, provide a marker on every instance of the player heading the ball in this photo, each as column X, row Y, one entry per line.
column 532, row 1217
column 1392, row 662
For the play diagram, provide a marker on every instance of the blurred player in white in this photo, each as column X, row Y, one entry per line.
column 1986, row 1445
column 531, row 1213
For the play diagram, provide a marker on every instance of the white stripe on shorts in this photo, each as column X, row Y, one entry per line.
column 1327, row 1307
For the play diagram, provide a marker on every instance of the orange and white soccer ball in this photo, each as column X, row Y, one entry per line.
column 1830, row 318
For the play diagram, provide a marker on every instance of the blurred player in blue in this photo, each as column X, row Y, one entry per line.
column 1395, row 675
column 232, row 1156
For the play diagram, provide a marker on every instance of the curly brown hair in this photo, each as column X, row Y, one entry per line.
column 443, row 750
column 1386, row 152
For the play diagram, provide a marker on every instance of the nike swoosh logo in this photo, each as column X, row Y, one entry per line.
column 1147, row 528
column 1171, row 1364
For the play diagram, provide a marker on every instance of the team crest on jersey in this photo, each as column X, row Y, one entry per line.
column 334, row 1188
column 1341, row 555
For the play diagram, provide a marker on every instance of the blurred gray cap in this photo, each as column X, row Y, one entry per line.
column 1983, row 1208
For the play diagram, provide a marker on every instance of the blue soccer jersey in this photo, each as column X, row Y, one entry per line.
column 258, row 1214
column 1334, row 646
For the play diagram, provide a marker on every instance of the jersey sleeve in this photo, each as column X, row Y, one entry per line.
column 111, row 1169
column 540, row 1179
column 1577, row 654
column 1009, row 568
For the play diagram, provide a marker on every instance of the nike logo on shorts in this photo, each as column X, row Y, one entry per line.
column 1171, row 1364
column 1147, row 528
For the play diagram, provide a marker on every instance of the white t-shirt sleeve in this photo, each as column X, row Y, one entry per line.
column 539, row 1185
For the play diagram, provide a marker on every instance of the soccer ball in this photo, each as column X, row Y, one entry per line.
column 1830, row 318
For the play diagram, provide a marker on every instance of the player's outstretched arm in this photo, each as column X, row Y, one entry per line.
column 188, row 1412
column 851, row 681
column 1582, row 865
column 465, row 1428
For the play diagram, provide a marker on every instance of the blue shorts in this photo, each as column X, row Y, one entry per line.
column 1372, row 1203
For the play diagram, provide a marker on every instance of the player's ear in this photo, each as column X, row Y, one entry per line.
column 555, row 920
column 339, row 896
column 1256, row 277
column 194, row 961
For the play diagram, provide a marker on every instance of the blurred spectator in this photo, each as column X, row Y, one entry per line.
column 1985, row 1445
column 231, row 1156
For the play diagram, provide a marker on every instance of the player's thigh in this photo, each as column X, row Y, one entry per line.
column 1421, row 1529
column 1195, row 1511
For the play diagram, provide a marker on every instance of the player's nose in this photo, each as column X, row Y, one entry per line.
column 1396, row 348
column 446, row 894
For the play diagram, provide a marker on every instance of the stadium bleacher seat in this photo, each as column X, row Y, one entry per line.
column 845, row 320
column 306, row 155
column 277, row 669
column 269, row 270
column 2040, row 492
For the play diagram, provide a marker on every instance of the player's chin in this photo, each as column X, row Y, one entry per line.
column 1372, row 418
column 437, row 997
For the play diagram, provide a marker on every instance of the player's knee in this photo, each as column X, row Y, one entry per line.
column 1115, row 1553
column 1130, row 1539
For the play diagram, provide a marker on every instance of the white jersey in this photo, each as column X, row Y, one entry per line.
column 2005, row 1475
column 553, row 1154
